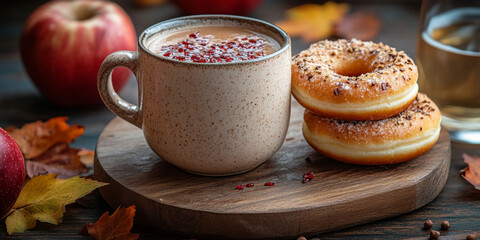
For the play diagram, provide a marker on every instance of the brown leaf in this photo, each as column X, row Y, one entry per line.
column 313, row 22
column 60, row 160
column 112, row 227
column 472, row 172
column 360, row 26
column 37, row 137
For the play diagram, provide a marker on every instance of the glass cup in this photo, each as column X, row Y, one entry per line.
column 448, row 59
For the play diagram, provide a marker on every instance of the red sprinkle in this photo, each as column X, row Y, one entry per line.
column 205, row 51
column 240, row 187
column 269, row 184
column 308, row 176
column 250, row 185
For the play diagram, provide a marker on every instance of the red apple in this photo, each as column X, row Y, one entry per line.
column 236, row 7
column 63, row 44
column 12, row 172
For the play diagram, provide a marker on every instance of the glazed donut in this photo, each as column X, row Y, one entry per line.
column 354, row 80
column 387, row 141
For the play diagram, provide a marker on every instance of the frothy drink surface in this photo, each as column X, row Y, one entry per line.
column 214, row 44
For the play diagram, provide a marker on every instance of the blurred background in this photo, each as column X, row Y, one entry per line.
column 393, row 22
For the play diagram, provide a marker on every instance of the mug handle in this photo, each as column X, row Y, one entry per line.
column 129, row 112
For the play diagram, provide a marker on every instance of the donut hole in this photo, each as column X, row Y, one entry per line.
column 353, row 68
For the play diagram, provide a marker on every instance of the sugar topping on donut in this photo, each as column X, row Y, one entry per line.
column 421, row 115
column 337, row 78
column 345, row 63
column 387, row 141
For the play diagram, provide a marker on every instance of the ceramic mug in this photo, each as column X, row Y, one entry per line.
column 206, row 118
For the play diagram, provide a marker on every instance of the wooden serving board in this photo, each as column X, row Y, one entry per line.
column 341, row 195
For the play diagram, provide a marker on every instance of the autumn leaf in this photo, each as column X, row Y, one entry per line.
column 313, row 22
column 43, row 199
column 359, row 25
column 61, row 160
column 37, row 137
column 115, row 227
column 472, row 172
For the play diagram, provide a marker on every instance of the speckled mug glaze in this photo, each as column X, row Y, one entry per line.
column 206, row 118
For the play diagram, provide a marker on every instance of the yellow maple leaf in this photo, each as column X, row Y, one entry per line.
column 313, row 22
column 43, row 199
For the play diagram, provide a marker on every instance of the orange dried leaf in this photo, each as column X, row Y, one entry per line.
column 59, row 159
column 360, row 26
column 313, row 22
column 472, row 172
column 112, row 227
column 37, row 137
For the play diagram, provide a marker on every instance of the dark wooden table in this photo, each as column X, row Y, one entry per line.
column 21, row 103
